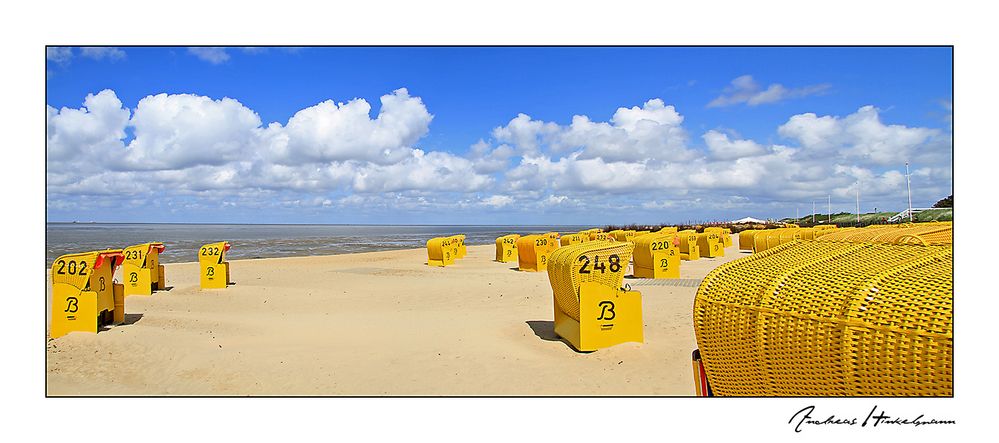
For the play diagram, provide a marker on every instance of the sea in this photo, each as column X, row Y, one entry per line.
column 182, row 241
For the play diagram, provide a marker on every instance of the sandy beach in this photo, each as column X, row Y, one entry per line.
column 373, row 324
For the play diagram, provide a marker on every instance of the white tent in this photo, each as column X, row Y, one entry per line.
column 748, row 220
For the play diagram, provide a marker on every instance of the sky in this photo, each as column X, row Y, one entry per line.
column 492, row 135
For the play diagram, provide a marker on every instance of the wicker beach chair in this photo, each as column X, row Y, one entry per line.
column 142, row 272
column 592, row 311
column 829, row 318
column 84, row 294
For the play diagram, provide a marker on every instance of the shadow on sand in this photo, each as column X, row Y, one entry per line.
column 545, row 330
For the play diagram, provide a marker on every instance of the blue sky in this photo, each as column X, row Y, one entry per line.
column 707, row 133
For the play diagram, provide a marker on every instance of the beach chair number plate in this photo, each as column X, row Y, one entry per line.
column 72, row 268
column 613, row 264
column 657, row 245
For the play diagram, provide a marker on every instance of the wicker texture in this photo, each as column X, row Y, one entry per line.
column 814, row 318
column 527, row 250
column 511, row 241
column 918, row 234
column 746, row 239
column 643, row 253
column 564, row 270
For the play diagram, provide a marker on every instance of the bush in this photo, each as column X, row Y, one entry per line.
column 945, row 202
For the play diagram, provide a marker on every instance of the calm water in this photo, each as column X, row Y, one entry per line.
column 262, row 241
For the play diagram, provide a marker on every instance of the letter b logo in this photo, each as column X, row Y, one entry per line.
column 606, row 307
column 72, row 304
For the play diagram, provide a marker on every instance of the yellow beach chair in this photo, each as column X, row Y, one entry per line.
column 592, row 311
column 84, row 294
column 142, row 272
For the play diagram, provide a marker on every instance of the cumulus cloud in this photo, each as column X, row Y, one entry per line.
column 58, row 54
column 190, row 145
column 744, row 89
column 75, row 136
column 488, row 160
column 214, row 56
column 333, row 131
column 439, row 171
column 525, row 133
column 863, row 137
column 651, row 132
column 102, row 52
column 182, row 130
column 722, row 148
column 189, row 152
column 497, row 201
column 828, row 155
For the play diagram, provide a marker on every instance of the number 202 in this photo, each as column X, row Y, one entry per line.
column 71, row 267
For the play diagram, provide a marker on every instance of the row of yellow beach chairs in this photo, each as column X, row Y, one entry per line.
column 532, row 251
column 586, row 271
column 86, row 297
column 927, row 233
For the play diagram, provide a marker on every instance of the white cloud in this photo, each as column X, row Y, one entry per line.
column 183, row 130
column 553, row 200
column 214, row 56
column 525, row 133
column 186, row 143
column 190, row 152
column 336, row 132
column 497, row 201
column 722, row 148
column 58, row 54
column 102, row 52
column 744, row 89
column 652, row 132
column 434, row 171
column 863, row 138
column 487, row 160
column 75, row 136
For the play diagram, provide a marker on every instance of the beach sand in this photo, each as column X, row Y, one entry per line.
column 373, row 324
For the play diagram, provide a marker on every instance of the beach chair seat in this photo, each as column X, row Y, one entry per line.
column 506, row 248
column 689, row 250
column 773, row 238
column 591, row 309
column 788, row 235
column 214, row 268
column 724, row 235
column 441, row 251
column 709, row 244
column 84, row 294
column 746, row 239
column 533, row 252
column 553, row 241
column 458, row 242
column 820, row 319
column 623, row 235
column 572, row 239
column 599, row 236
column 657, row 255
column 142, row 272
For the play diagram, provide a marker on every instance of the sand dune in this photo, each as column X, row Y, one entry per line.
column 373, row 324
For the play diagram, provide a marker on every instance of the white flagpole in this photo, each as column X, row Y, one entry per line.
column 908, row 189
column 829, row 197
